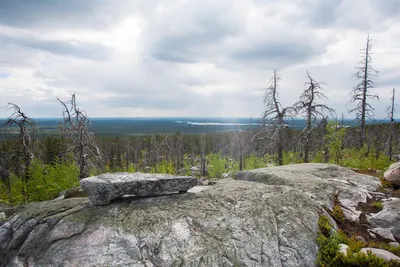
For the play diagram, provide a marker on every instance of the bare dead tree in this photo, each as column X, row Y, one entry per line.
column 24, row 151
column 76, row 127
column 392, row 125
column 275, row 115
column 309, row 104
column 360, row 93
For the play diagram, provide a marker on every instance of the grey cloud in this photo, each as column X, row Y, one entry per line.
column 285, row 52
column 346, row 13
column 59, row 47
column 393, row 81
column 57, row 13
column 321, row 13
column 174, row 56
column 147, row 101
column 388, row 8
column 190, row 46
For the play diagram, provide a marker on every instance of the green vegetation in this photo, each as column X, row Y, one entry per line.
column 329, row 255
column 337, row 214
column 46, row 182
column 378, row 205
column 54, row 170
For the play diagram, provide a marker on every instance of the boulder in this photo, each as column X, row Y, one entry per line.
column 381, row 253
column 106, row 187
column 320, row 182
column 394, row 244
column 392, row 174
column 343, row 249
column 384, row 232
column 233, row 223
column 388, row 217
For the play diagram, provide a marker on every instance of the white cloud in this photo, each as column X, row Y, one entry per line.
column 189, row 58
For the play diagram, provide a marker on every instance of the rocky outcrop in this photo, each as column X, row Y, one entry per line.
column 106, row 187
column 388, row 217
column 392, row 174
column 231, row 223
column 320, row 182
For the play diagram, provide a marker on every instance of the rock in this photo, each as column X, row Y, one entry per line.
column 394, row 244
column 106, row 187
column 226, row 175
column 361, row 239
column 392, row 174
column 343, row 249
column 231, row 223
column 384, row 232
column 72, row 192
column 372, row 234
column 381, row 253
column 388, row 217
column 320, row 182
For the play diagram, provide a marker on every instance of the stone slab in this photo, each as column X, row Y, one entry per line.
column 106, row 187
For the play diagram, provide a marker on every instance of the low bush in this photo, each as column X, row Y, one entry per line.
column 329, row 255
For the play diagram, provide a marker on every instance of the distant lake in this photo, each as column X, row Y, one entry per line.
column 135, row 126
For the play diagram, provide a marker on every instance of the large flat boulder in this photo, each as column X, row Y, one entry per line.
column 106, row 187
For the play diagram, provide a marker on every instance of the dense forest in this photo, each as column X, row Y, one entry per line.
column 35, row 168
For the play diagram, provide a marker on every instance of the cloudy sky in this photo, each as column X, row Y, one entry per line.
column 149, row 58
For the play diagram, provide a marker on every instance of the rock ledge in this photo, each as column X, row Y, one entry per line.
column 106, row 187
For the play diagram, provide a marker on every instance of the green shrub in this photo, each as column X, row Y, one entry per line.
column 291, row 158
column 378, row 205
column 46, row 182
column 324, row 225
column 218, row 165
column 329, row 255
column 364, row 159
column 164, row 166
column 334, row 138
column 337, row 214
column 16, row 195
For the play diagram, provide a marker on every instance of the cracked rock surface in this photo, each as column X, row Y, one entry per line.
column 320, row 182
column 232, row 223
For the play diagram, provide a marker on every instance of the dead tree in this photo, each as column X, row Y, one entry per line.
column 392, row 124
column 360, row 93
column 76, row 126
column 24, row 152
column 313, row 110
column 274, row 114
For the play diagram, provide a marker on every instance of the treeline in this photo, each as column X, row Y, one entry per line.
column 54, row 167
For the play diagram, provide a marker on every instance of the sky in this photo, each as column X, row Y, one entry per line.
column 188, row 58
